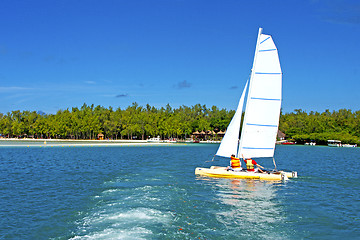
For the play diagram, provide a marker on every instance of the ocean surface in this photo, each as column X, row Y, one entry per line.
column 151, row 192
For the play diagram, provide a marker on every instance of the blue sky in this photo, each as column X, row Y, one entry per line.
column 60, row 54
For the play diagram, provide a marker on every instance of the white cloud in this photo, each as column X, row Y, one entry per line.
column 13, row 89
column 90, row 82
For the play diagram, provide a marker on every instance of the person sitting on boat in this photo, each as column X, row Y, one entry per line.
column 235, row 164
column 250, row 163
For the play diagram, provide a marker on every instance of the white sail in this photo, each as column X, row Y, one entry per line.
column 261, row 118
column 229, row 143
column 263, row 105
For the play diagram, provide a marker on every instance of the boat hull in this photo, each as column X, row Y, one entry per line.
column 221, row 172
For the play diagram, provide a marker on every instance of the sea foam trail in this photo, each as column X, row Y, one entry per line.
column 111, row 233
column 123, row 212
column 133, row 224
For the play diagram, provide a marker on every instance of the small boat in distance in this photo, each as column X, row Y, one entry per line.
column 334, row 143
column 154, row 139
column 170, row 140
column 261, row 118
column 349, row 145
column 337, row 143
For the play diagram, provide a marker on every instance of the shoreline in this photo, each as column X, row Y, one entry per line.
column 70, row 140
column 30, row 142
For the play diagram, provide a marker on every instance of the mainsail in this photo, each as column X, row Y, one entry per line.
column 262, row 112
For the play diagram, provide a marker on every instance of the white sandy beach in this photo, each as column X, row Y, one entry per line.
column 29, row 142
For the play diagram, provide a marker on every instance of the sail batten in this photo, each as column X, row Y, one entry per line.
column 258, row 148
column 261, row 125
column 266, row 99
column 266, row 50
column 264, row 40
column 267, row 73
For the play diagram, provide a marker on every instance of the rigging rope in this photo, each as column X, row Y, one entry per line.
column 274, row 164
column 211, row 159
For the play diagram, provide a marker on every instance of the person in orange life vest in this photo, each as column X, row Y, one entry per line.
column 250, row 163
column 235, row 164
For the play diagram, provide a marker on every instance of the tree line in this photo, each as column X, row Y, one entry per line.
column 138, row 122
column 343, row 125
column 134, row 122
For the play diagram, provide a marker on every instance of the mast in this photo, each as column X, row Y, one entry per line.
column 256, row 51
column 250, row 85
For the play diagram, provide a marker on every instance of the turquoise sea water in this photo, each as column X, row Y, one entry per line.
column 149, row 192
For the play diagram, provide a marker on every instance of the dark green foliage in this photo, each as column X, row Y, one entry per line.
column 134, row 122
column 137, row 122
column 343, row 125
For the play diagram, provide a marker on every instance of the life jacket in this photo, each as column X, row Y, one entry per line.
column 249, row 164
column 235, row 162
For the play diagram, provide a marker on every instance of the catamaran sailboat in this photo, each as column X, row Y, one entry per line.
column 261, row 118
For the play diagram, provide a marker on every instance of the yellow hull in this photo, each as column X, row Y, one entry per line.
column 221, row 172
